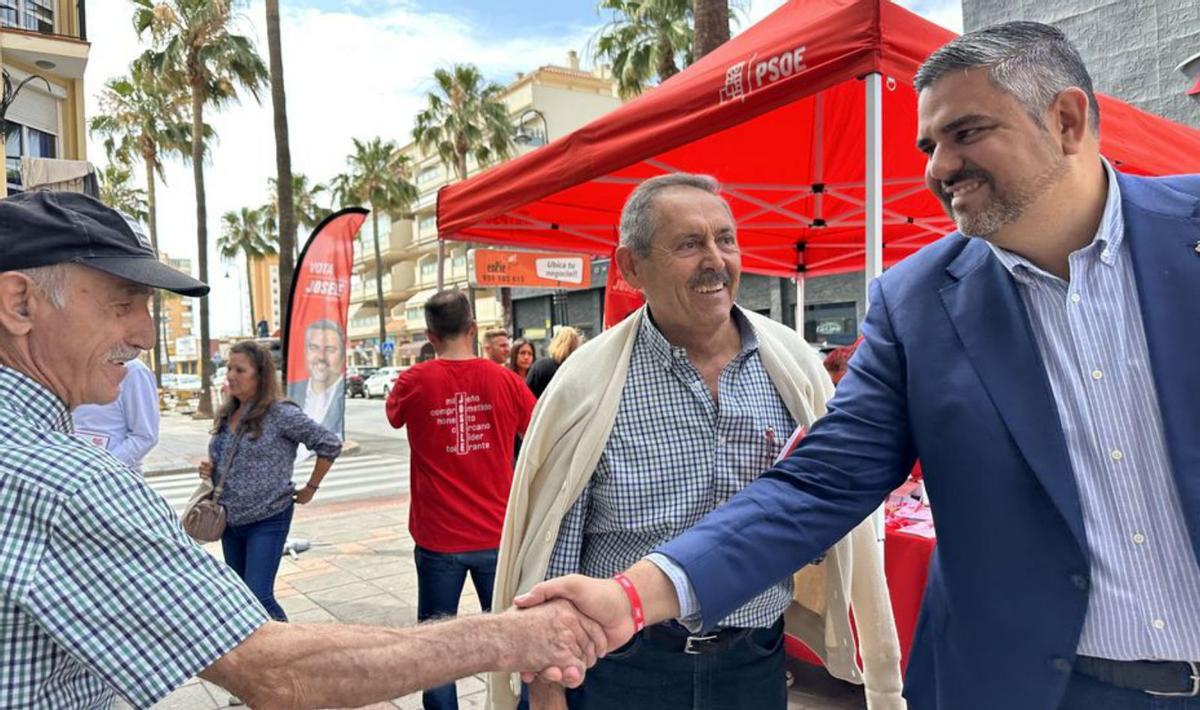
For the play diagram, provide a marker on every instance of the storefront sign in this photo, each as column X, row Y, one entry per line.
column 523, row 269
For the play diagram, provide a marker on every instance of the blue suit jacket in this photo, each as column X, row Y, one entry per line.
column 949, row 371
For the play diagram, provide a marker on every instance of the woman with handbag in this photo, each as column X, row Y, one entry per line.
column 250, row 462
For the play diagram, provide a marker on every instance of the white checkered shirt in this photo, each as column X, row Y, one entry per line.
column 102, row 592
column 673, row 456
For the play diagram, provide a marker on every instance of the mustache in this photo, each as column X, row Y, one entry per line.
column 710, row 277
column 124, row 354
column 968, row 173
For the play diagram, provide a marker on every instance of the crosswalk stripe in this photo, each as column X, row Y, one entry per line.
column 352, row 477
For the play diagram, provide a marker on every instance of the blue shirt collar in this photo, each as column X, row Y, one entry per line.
column 1110, row 235
column 29, row 399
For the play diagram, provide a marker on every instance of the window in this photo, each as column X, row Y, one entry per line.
column 34, row 15
column 23, row 140
column 459, row 264
column 428, row 269
column 427, row 226
column 429, row 174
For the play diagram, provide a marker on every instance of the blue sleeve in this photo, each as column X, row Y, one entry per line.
column 841, row 471
column 302, row 429
column 139, row 406
column 121, row 587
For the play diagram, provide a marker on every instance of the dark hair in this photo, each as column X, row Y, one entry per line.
column 326, row 324
column 1032, row 61
column 265, row 395
column 448, row 313
column 516, row 350
column 426, row 353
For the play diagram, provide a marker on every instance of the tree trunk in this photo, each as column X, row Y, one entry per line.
column 283, row 164
column 379, row 285
column 205, row 410
column 250, row 293
column 160, row 346
column 712, row 25
column 667, row 67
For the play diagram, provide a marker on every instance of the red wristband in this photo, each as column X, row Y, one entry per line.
column 635, row 601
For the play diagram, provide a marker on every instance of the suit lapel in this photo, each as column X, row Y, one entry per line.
column 1162, row 228
column 987, row 312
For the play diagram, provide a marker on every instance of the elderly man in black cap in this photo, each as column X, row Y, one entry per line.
column 100, row 590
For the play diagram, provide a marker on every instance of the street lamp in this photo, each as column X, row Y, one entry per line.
column 525, row 137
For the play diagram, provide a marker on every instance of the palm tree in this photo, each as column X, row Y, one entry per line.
column 464, row 117
column 196, row 49
column 305, row 207
column 144, row 118
column 118, row 192
column 712, row 25
column 242, row 233
column 643, row 40
column 286, row 212
column 380, row 175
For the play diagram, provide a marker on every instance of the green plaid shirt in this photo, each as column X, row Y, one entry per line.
column 102, row 591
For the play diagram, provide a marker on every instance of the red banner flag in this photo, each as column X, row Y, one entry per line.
column 620, row 299
column 314, row 340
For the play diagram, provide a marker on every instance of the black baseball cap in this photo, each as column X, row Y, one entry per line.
column 44, row 228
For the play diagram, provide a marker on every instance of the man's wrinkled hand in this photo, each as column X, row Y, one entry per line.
column 601, row 600
column 556, row 641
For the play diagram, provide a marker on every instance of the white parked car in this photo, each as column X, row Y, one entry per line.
column 380, row 383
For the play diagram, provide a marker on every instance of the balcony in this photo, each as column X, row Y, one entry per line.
column 392, row 246
column 46, row 34
column 404, row 281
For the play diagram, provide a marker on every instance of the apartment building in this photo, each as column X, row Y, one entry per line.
column 544, row 104
column 43, row 53
column 179, row 328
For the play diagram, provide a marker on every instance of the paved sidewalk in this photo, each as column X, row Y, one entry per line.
column 182, row 443
column 360, row 570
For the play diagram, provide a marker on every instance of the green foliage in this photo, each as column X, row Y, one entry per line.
column 464, row 117
column 380, row 175
column 117, row 191
column 644, row 40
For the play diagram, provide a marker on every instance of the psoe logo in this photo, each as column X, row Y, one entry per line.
column 749, row 76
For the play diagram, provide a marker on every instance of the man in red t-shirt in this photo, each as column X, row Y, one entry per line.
column 462, row 414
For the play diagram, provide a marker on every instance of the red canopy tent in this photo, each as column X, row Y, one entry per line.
column 807, row 118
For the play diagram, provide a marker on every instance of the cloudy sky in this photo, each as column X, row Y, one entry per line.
column 353, row 68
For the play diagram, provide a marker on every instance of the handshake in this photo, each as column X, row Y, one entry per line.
column 563, row 626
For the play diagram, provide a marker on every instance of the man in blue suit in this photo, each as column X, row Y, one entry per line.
column 1044, row 364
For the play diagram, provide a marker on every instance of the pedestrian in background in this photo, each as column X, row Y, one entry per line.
column 566, row 341
column 521, row 358
column 496, row 346
column 253, row 446
column 461, row 414
column 127, row 427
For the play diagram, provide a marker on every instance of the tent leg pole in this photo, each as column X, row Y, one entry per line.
column 800, row 304
column 441, row 265
column 874, row 183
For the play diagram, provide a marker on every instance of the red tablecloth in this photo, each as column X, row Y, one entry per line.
column 906, row 563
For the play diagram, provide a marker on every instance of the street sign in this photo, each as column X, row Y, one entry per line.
column 387, row 348
column 525, row 269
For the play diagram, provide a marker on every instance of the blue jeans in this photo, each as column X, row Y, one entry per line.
column 253, row 551
column 642, row 675
column 1087, row 693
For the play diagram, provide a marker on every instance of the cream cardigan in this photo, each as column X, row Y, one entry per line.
column 566, row 436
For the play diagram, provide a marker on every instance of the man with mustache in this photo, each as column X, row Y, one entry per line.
column 652, row 425
column 323, row 394
column 1041, row 362
column 102, row 593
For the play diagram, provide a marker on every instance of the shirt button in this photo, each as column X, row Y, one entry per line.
column 1076, row 298
column 549, row 536
column 1096, row 374
column 1160, row 624
column 1139, row 538
column 1061, row 664
column 1116, row 455
column 1079, row 581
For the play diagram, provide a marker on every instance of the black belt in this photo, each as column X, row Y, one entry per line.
column 1180, row 679
column 673, row 637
